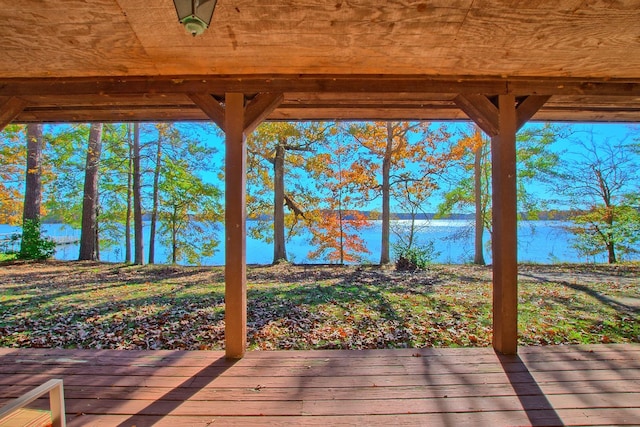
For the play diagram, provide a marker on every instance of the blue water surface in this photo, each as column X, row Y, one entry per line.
column 538, row 242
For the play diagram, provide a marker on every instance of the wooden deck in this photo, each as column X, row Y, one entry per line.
column 585, row 385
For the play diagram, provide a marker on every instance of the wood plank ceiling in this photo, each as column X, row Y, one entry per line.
column 122, row 60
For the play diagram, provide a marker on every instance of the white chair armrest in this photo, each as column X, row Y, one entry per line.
column 56, row 401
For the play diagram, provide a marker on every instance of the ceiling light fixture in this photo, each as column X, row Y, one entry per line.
column 195, row 15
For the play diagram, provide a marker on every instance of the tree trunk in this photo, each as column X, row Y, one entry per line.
column 386, row 196
column 97, row 235
column 609, row 217
column 174, row 236
column 154, row 209
column 127, row 231
column 33, row 189
column 479, row 226
column 279, row 248
column 341, row 237
column 412, row 230
column 612, row 253
column 137, row 198
column 33, row 179
column 89, row 230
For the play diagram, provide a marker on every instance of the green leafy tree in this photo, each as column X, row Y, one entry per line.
column 65, row 183
column 189, row 213
column 470, row 181
column 277, row 156
column 397, row 160
column 116, row 188
column 472, row 188
column 89, row 237
column 138, row 238
column 600, row 178
column 34, row 244
column 164, row 132
column 58, row 173
column 65, row 164
column 159, row 145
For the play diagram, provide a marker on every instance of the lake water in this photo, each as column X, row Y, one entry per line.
column 538, row 241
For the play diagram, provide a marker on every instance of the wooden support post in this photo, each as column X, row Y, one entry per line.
column 236, row 120
column 10, row 107
column 235, row 228
column 501, row 123
column 504, row 237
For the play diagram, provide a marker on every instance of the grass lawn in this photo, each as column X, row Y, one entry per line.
column 7, row 257
column 94, row 305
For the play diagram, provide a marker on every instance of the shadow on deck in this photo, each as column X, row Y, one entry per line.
column 564, row 385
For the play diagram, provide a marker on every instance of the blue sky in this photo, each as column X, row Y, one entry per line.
column 613, row 132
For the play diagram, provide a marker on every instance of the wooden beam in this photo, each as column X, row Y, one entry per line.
column 10, row 108
column 286, row 112
column 157, row 113
column 481, row 111
column 528, row 108
column 235, row 228
column 250, row 84
column 504, row 237
column 312, row 97
column 346, row 112
column 259, row 108
column 210, row 107
column 341, row 83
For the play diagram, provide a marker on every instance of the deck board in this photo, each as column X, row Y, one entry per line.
column 580, row 385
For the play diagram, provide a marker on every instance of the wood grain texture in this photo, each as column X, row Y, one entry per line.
column 480, row 109
column 235, row 273
column 259, row 108
column 504, row 243
column 584, row 385
column 440, row 37
column 212, row 108
column 528, row 107
column 313, row 97
column 10, row 108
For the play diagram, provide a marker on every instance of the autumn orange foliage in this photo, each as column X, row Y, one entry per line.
column 335, row 233
column 12, row 163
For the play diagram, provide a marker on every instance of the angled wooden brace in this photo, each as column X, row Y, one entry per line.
column 10, row 107
column 255, row 111
column 485, row 113
column 210, row 106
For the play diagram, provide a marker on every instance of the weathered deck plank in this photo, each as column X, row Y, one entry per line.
column 585, row 385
